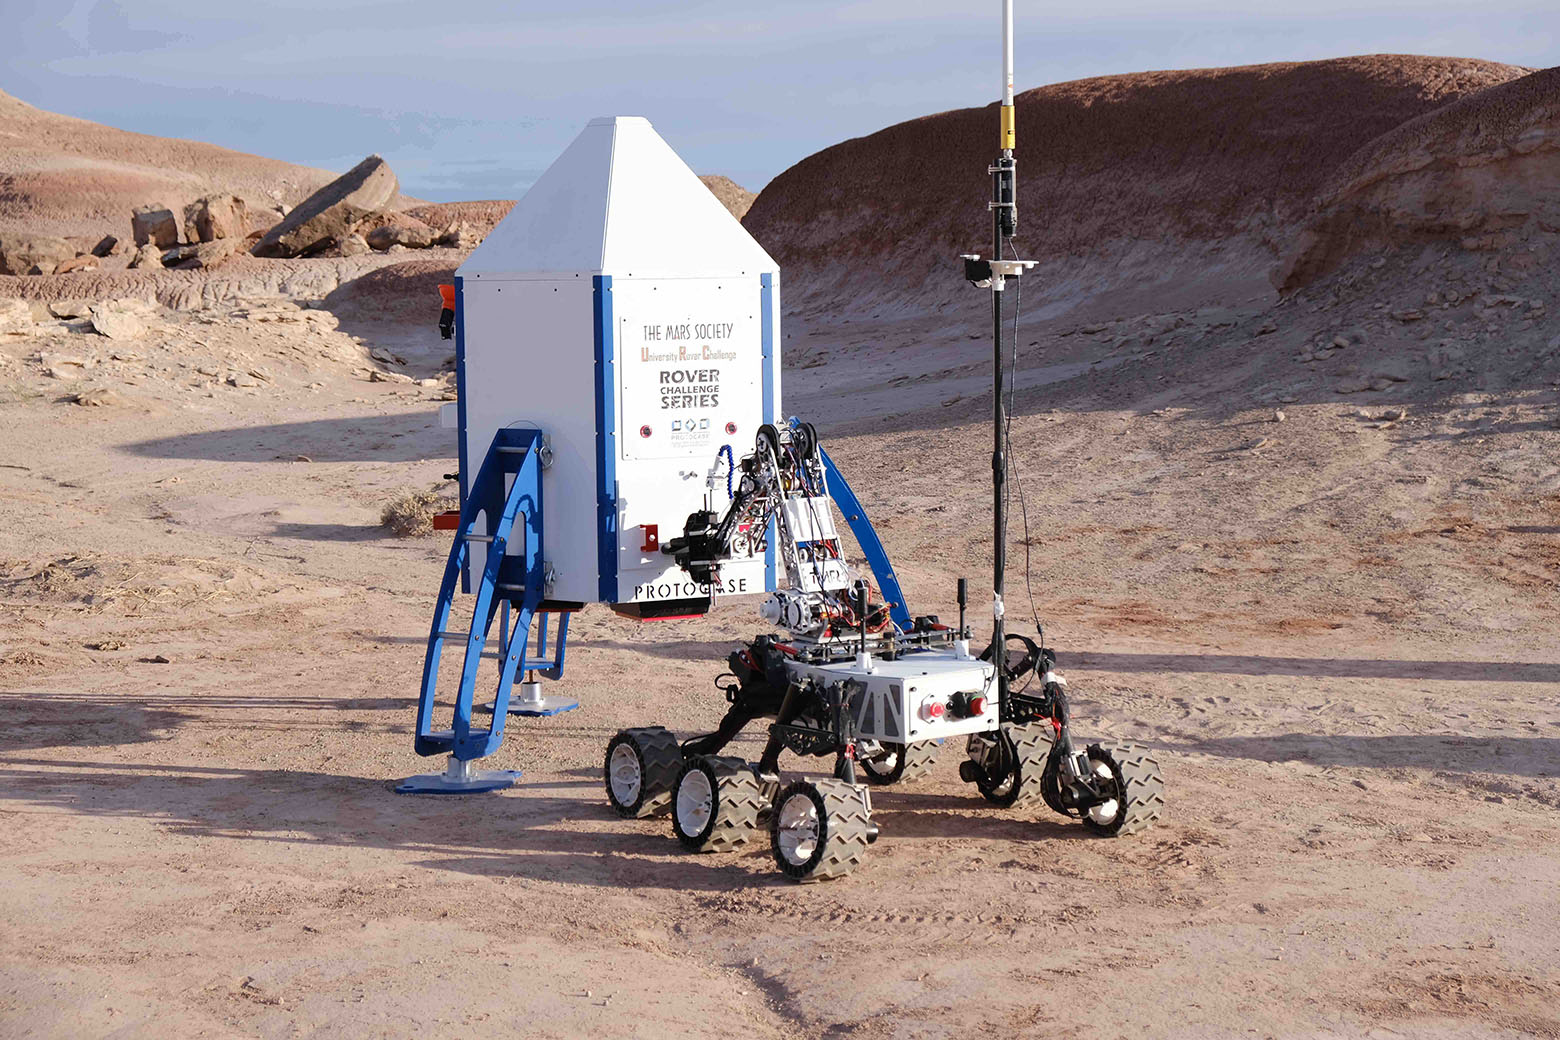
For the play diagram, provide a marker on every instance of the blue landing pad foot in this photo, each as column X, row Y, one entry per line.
column 532, row 704
column 459, row 778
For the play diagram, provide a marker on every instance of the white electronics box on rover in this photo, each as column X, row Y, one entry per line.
column 623, row 311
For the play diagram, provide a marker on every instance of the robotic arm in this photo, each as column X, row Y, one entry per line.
column 782, row 481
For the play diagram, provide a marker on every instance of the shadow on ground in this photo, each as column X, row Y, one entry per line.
column 40, row 720
column 526, row 832
column 377, row 438
column 1321, row 667
column 1510, row 756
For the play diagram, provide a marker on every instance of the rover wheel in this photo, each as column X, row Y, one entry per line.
column 1008, row 770
column 819, row 829
column 1134, row 775
column 900, row 763
column 640, row 768
column 716, row 803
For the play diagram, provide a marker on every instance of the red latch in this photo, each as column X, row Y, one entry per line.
column 652, row 538
column 447, row 521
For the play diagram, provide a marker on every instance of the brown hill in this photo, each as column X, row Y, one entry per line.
column 732, row 195
column 65, row 176
column 1188, row 182
column 1479, row 171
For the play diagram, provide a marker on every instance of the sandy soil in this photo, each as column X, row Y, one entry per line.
column 1337, row 632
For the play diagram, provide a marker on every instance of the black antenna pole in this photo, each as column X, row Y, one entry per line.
column 1004, row 211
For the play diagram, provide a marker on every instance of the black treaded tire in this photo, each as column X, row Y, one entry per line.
column 1142, row 788
column 657, row 757
column 1018, row 782
column 736, row 802
column 908, row 762
column 842, row 830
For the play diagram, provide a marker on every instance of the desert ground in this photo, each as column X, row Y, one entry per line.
column 1305, row 547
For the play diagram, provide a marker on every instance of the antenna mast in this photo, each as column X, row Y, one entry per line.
column 993, row 274
column 1004, row 212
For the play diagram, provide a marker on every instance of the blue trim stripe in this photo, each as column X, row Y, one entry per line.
column 766, row 311
column 606, row 441
column 460, row 410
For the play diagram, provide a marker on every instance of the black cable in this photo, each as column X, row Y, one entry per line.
column 1007, row 438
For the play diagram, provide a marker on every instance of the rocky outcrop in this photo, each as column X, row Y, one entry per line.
column 33, row 254
column 14, row 314
column 121, row 319
column 1482, row 172
column 396, row 229
column 202, row 256
column 84, row 262
column 154, row 225
column 146, row 255
column 332, row 212
column 352, row 245
column 216, row 216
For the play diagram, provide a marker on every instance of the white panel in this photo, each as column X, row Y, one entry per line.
column 618, row 201
column 661, row 219
column 691, row 363
column 530, row 362
column 896, row 691
column 710, row 375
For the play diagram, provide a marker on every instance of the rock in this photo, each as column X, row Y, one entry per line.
column 384, row 230
column 1446, row 361
column 1353, row 382
column 203, row 256
column 121, row 319
column 99, row 398
column 1394, row 370
column 65, row 309
column 84, row 262
column 109, row 246
column 147, row 255
column 1278, row 415
column 330, row 213
column 216, row 217
column 15, row 315
column 154, row 225
column 381, row 376
column 353, row 244
column 33, row 254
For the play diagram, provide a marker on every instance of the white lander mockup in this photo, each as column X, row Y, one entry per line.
column 625, row 313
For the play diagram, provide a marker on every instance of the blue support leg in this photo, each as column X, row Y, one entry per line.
column 513, row 453
column 871, row 546
column 530, row 701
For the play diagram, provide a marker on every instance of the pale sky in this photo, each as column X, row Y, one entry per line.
column 472, row 99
